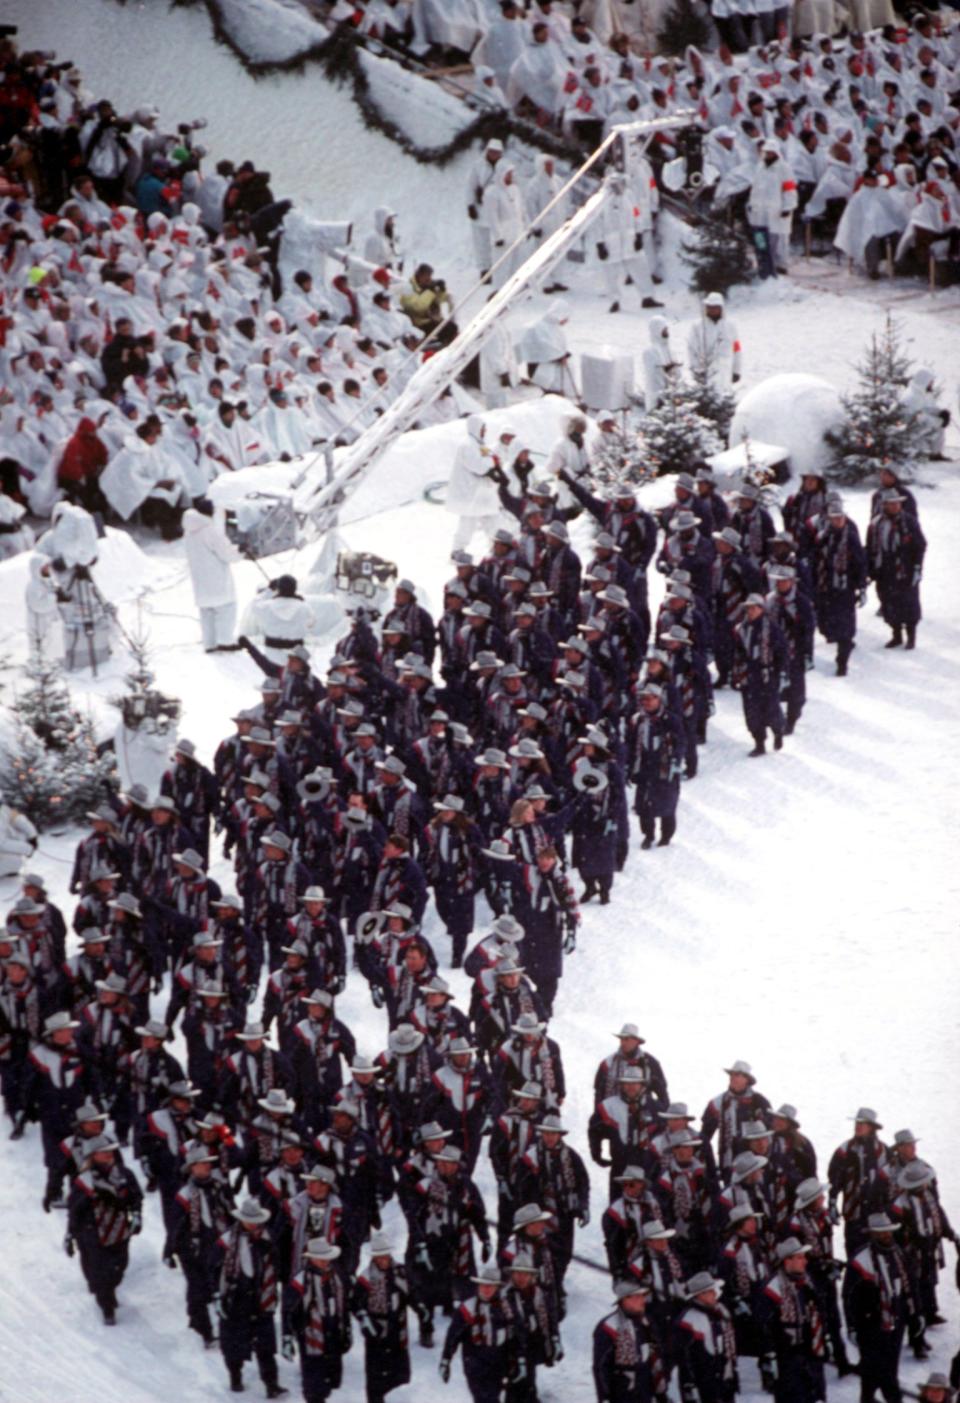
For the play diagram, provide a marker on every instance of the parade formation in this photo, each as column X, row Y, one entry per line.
column 445, row 792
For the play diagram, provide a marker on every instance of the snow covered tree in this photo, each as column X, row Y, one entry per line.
column 683, row 24
column 710, row 400
column 52, row 771
column 878, row 428
column 620, row 457
column 675, row 434
column 720, row 255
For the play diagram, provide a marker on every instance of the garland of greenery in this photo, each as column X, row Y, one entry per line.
column 339, row 57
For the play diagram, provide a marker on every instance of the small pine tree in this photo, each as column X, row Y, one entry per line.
column 720, row 255
column 878, row 429
column 675, row 434
column 52, row 771
column 620, row 457
column 710, row 400
column 683, row 24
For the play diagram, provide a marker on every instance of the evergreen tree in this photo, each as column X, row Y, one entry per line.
column 52, row 771
column 877, row 428
column 675, row 434
column 711, row 401
column 720, row 255
column 620, row 457
column 683, row 24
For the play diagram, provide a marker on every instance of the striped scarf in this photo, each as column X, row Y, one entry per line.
column 801, row 1316
column 268, row 1283
column 109, row 1211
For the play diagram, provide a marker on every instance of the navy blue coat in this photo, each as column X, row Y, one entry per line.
column 840, row 572
column 895, row 550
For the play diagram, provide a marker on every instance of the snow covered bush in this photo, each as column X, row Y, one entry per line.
column 676, row 435
column 52, row 770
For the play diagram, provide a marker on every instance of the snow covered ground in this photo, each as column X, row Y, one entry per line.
column 805, row 917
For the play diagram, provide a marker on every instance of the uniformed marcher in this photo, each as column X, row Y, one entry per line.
column 859, row 1173
column 320, row 1315
column 730, row 1110
column 248, row 1291
column 745, row 1264
column 535, row 1330
column 483, row 1330
column 104, row 1213
column 759, row 661
column 623, row 1126
column 631, row 1363
column 813, row 1225
column 793, row 1329
column 448, row 1213
column 658, row 750
column 840, row 575
column 917, row 1208
column 880, row 1305
column 895, row 550
column 707, row 1344
column 632, row 1053
column 381, row 1301
column 554, row 1175
column 201, row 1216
column 792, row 612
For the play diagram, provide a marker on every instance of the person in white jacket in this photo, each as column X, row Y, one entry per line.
column 499, row 372
column 931, row 421
column 504, row 216
column 618, row 238
column 713, row 346
column 18, row 838
column 770, row 206
column 210, row 555
column 40, row 596
column 482, row 174
column 471, row 492
column 279, row 617
column 660, row 363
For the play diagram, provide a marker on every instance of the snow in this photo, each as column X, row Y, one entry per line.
column 804, row 918
column 271, row 31
column 795, row 410
column 433, row 118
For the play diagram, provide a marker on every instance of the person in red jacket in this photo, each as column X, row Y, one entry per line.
column 84, row 459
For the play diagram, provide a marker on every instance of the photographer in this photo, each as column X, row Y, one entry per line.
column 424, row 304
column 122, row 356
column 106, row 151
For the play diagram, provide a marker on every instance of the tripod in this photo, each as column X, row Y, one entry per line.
column 85, row 609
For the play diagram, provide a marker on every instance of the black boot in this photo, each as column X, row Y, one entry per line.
column 897, row 639
column 589, row 891
column 789, row 728
column 843, row 657
column 760, row 748
column 778, row 740
column 604, row 893
column 276, row 1390
column 911, row 636
column 236, row 1379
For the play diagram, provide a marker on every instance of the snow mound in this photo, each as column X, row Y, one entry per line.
column 270, row 31
column 425, row 112
column 794, row 410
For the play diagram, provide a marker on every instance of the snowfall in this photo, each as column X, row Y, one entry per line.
column 805, row 916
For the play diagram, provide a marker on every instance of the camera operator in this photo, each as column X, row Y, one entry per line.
column 123, row 355
column 106, row 151
column 425, row 302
